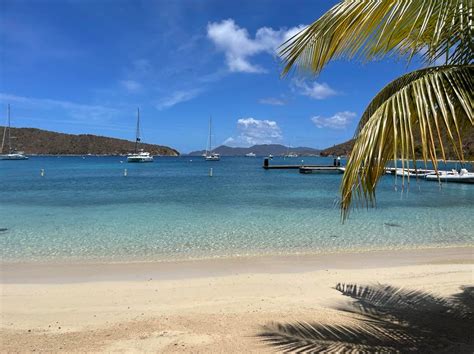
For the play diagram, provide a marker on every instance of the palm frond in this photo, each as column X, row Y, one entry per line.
column 435, row 104
column 303, row 337
column 436, row 29
column 384, row 319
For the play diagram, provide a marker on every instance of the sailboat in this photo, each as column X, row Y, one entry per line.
column 210, row 155
column 139, row 155
column 290, row 154
column 12, row 154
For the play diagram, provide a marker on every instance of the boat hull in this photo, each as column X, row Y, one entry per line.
column 450, row 179
column 139, row 159
column 13, row 157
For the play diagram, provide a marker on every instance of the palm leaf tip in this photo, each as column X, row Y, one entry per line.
column 436, row 29
column 433, row 105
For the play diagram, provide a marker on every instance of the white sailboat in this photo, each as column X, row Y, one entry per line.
column 251, row 154
column 290, row 154
column 139, row 155
column 12, row 154
column 210, row 155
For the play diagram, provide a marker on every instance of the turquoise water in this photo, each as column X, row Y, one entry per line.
column 86, row 210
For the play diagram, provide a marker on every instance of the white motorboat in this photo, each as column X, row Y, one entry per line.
column 251, row 154
column 12, row 154
column 139, row 155
column 463, row 176
column 405, row 172
column 211, row 155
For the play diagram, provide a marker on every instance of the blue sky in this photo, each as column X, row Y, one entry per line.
column 84, row 66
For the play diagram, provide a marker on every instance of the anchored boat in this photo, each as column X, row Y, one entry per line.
column 211, row 155
column 12, row 154
column 139, row 155
column 463, row 176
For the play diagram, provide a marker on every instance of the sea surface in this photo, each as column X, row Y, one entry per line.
column 85, row 209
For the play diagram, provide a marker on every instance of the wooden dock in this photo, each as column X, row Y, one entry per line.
column 321, row 169
column 304, row 168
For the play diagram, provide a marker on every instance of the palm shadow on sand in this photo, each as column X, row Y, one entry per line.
column 389, row 319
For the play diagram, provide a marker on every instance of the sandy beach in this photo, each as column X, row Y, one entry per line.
column 202, row 306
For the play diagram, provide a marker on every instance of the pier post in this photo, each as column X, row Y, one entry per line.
column 210, row 172
column 125, row 173
column 265, row 163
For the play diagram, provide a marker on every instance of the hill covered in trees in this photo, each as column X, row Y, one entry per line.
column 43, row 142
column 468, row 147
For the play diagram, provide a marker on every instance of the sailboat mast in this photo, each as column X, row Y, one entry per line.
column 137, row 135
column 9, row 133
column 210, row 134
column 5, row 131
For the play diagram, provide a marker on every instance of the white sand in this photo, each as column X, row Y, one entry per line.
column 216, row 306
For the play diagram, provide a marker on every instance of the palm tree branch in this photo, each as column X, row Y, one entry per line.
column 371, row 29
column 435, row 104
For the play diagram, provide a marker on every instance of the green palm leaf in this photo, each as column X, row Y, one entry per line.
column 434, row 104
column 437, row 29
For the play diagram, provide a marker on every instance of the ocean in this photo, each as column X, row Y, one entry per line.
column 86, row 210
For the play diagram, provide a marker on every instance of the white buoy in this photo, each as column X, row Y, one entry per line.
column 125, row 172
column 42, row 172
column 210, row 172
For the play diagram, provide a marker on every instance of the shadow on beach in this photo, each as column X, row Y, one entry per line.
column 386, row 319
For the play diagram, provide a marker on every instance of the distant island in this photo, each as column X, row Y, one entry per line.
column 260, row 150
column 43, row 142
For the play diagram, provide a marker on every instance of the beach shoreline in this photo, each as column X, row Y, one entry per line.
column 202, row 306
column 90, row 271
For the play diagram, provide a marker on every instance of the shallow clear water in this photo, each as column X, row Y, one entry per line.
column 85, row 209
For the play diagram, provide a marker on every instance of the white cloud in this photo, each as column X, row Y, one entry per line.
column 177, row 97
column 254, row 131
column 314, row 90
column 75, row 111
column 339, row 120
column 238, row 46
column 272, row 101
column 131, row 85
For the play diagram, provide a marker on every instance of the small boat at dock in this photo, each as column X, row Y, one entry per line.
column 463, row 176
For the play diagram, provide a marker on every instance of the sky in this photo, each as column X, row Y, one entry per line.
column 85, row 66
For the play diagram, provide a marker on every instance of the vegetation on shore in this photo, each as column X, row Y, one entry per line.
column 43, row 142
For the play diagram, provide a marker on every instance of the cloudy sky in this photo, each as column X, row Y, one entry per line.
column 85, row 66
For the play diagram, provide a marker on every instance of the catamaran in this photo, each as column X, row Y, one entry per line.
column 139, row 155
column 210, row 155
column 12, row 154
